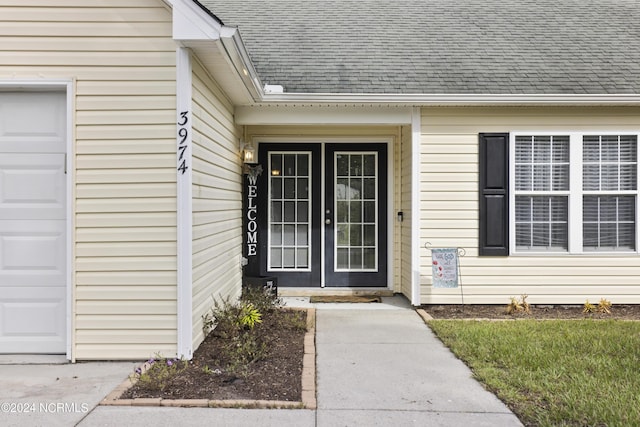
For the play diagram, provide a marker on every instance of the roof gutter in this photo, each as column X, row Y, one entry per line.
column 193, row 25
column 450, row 99
column 237, row 53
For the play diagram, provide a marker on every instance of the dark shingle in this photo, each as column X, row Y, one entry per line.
column 441, row 46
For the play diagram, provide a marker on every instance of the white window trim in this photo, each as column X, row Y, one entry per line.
column 575, row 194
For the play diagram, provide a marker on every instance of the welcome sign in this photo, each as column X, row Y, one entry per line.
column 252, row 210
column 444, row 266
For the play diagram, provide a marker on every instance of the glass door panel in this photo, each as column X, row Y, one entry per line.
column 355, row 215
column 289, row 246
column 289, row 211
column 356, row 203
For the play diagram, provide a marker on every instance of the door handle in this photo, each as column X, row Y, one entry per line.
column 327, row 221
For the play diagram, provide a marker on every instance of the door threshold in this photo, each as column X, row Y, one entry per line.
column 309, row 292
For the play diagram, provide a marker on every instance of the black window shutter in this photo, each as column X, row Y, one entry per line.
column 494, row 194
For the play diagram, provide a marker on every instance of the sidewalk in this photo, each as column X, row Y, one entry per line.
column 377, row 365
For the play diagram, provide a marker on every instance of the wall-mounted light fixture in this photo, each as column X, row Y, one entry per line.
column 248, row 152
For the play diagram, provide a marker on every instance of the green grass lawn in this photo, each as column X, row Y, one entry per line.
column 554, row 372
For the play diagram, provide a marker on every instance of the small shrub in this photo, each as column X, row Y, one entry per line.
column 226, row 317
column 604, row 306
column 160, row 371
column 208, row 323
column 236, row 323
column 588, row 307
column 514, row 306
column 249, row 315
column 521, row 306
column 244, row 350
column 263, row 300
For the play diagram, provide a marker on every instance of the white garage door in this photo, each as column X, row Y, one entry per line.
column 32, row 222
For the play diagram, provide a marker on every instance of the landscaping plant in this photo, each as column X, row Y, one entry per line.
column 252, row 349
column 158, row 372
column 236, row 323
column 588, row 307
column 522, row 306
column 604, row 306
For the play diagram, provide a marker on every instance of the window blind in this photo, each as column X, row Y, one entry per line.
column 609, row 167
column 542, row 168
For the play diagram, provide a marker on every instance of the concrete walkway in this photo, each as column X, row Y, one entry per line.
column 377, row 365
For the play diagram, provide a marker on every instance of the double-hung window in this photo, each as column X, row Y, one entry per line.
column 574, row 193
column 609, row 184
column 542, row 192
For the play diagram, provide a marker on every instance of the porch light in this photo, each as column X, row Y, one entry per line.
column 249, row 153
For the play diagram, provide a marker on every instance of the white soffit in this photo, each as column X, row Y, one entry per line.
column 322, row 114
column 389, row 109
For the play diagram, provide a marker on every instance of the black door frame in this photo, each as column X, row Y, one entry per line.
column 356, row 279
column 319, row 246
column 293, row 278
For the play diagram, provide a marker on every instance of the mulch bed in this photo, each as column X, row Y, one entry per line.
column 276, row 377
column 480, row 311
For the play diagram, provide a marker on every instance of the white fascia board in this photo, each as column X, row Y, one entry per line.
column 427, row 100
column 320, row 115
column 192, row 25
column 190, row 22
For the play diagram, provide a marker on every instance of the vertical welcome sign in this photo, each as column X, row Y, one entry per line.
column 444, row 266
column 252, row 210
column 250, row 218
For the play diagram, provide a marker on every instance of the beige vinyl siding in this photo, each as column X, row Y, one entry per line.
column 122, row 58
column 217, row 199
column 405, row 206
column 449, row 211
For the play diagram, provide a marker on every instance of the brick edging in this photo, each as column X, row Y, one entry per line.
column 425, row 316
column 308, row 400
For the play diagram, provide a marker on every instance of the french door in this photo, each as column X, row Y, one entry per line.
column 325, row 221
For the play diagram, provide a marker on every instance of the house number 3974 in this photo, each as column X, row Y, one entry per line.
column 183, row 134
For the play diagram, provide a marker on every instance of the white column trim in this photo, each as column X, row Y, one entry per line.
column 391, row 218
column 415, row 205
column 71, row 198
column 184, row 130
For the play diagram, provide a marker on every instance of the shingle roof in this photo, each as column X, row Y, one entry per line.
column 441, row 46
